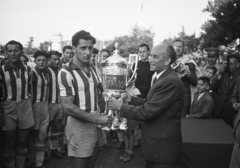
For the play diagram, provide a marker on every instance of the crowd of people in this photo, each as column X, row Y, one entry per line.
column 54, row 108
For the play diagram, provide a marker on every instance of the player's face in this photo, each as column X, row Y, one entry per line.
column 67, row 54
column 14, row 53
column 23, row 60
column 41, row 62
column 143, row 53
column 84, row 50
column 54, row 61
column 105, row 55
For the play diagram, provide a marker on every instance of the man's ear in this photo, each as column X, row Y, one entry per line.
column 167, row 61
column 208, row 87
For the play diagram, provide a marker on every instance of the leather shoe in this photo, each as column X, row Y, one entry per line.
column 128, row 157
column 137, row 143
column 56, row 154
column 123, row 156
column 62, row 151
column 120, row 145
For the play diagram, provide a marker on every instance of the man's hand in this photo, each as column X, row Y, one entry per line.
column 126, row 97
column 114, row 104
column 105, row 120
column 236, row 106
column 2, row 121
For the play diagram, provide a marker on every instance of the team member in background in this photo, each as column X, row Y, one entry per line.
column 78, row 82
column 24, row 59
column 37, row 142
column 67, row 55
column 16, row 106
column 56, row 118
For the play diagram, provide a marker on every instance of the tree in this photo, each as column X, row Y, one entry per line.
column 191, row 41
column 128, row 44
column 29, row 50
column 224, row 27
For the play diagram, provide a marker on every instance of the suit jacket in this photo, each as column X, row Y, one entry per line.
column 236, row 99
column 203, row 107
column 225, row 90
column 160, row 114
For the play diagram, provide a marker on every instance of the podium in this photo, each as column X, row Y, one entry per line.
column 207, row 143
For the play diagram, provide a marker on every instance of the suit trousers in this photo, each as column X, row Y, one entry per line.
column 149, row 164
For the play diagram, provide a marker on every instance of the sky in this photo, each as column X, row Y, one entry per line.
column 104, row 19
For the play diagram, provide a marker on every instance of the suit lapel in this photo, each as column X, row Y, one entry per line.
column 234, row 80
column 236, row 122
column 226, row 80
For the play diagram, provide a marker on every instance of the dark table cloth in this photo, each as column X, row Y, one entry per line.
column 207, row 143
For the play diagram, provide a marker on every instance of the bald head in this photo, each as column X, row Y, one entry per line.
column 161, row 57
column 165, row 50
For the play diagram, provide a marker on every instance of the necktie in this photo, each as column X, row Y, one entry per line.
column 154, row 81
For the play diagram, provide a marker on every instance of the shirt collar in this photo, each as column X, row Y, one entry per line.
column 73, row 66
column 40, row 71
column 7, row 66
column 158, row 75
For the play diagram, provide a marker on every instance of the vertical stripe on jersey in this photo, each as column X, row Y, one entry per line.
column 24, row 84
column 83, row 92
column 95, row 90
column 67, row 84
column 40, row 84
column 34, row 87
column 13, row 84
column 15, row 87
column 53, row 87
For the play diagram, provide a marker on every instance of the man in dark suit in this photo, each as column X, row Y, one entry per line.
column 160, row 113
column 225, row 85
column 235, row 101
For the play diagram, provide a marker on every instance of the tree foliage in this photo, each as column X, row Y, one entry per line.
column 224, row 27
column 29, row 49
column 128, row 44
column 191, row 41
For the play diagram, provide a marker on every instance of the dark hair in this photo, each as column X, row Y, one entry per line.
column 144, row 45
column 212, row 68
column 3, row 61
column 66, row 47
column 171, row 53
column 179, row 40
column 234, row 55
column 82, row 35
column 14, row 42
column 40, row 53
column 205, row 80
column 95, row 51
column 54, row 53
column 25, row 57
column 106, row 50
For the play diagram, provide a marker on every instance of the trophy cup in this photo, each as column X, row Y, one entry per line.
column 114, row 74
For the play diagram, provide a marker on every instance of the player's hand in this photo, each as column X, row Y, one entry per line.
column 114, row 104
column 105, row 120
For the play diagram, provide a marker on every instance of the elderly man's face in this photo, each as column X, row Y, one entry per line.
column 157, row 61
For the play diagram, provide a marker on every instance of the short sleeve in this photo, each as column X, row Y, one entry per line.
column 65, row 82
